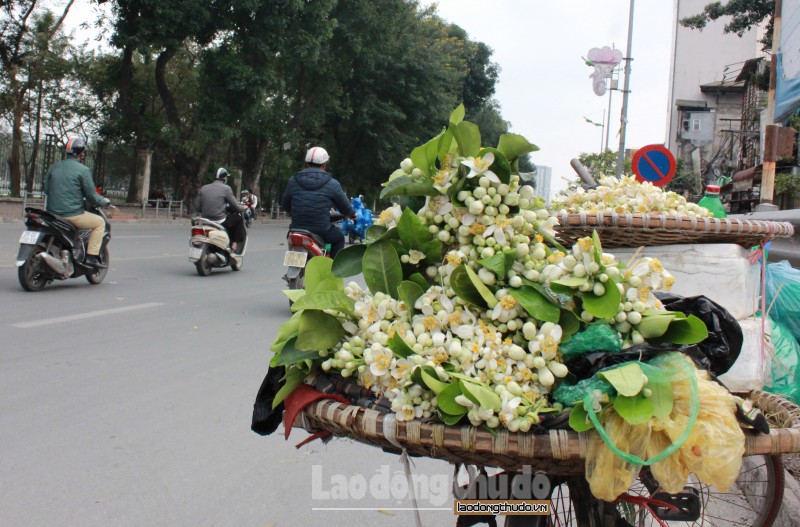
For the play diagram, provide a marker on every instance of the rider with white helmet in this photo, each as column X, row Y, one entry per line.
column 310, row 195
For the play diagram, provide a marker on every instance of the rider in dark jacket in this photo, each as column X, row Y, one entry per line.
column 310, row 195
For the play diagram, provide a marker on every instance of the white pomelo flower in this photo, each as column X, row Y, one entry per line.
column 480, row 167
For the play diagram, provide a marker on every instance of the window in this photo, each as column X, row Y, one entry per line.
column 686, row 125
column 695, row 125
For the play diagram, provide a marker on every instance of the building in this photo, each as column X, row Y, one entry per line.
column 542, row 182
column 706, row 92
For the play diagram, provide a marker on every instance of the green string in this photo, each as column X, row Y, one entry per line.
column 694, row 409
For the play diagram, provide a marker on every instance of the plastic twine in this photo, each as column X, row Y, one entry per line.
column 694, row 410
column 389, row 432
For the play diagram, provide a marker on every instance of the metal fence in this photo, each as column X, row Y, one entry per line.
column 112, row 167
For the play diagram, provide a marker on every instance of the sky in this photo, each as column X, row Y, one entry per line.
column 544, row 88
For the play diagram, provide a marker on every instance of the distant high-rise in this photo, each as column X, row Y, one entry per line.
column 542, row 182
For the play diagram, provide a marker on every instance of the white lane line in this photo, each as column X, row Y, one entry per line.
column 82, row 316
column 131, row 237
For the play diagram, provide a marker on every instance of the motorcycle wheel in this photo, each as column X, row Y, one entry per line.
column 100, row 275
column 203, row 266
column 30, row 275
column 236, row 266
column 297, row 283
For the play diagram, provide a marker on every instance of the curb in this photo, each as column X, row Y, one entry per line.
column 789, row 515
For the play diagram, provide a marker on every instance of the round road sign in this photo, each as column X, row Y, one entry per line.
column 653, row 163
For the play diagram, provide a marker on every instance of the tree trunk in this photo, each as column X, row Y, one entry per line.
column 255, row 154
column 29, row 181
column 16, row 143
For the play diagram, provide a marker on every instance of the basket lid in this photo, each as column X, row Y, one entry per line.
column 712, row 188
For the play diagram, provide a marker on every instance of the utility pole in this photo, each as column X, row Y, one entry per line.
column 624, row 114
column 612, row 85
column 769, row 156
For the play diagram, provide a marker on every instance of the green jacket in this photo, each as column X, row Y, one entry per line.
column 67, row 184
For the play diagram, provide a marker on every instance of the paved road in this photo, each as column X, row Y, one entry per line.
column 137, row 411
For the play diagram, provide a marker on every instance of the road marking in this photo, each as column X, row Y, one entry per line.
column 82, row 316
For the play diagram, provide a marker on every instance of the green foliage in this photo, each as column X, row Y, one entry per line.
column 604, row 164
column 744, row 15
column 786, row 183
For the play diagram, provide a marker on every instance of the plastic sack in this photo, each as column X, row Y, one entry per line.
column 608, row 474
column 725, row 339
column 785, row 378
column 596, row 337
column 586, row 365
column 786, row 307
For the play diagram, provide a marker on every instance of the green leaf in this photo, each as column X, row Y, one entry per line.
column 287, row 331
column 484, row 291
column 579, row 419
column 447, row 400
column 409, row 292
column 655, row 326
column 447, row 144
column 570, row 324
column 293, row 378
column 501, row 167
column 294, row 294
column 420, row 281
column 411, row 230
column 432, row 250
column 605, row 305
column 317, row 270
column 690, row 330
column 382, row 269
column 481, row 395
column 408, row 186
column 536, row 304
column 332, row 284
column 322, row 300
column 468, row 138
column 374, row 233
column 662, row 397
column 571, row 282
column 318, row 331
column 450, row 420
column 291, row 355
column 399, row 346
column 462, row 284
column 598, row 247
column 514, row 146
column 348, row 261
column 496, row 264
column 424, row 157
column 635, row 410
column 627, row 379
column 431, row 380
column 458, row 114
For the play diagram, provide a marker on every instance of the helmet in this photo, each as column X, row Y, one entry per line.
column 221, row 173
column 317, row 155
column 75, row 146
column 245, row 191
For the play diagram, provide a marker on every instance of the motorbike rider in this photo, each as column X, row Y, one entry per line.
column 310, row 195
column 250, row 202
column 216, row 202
column 68, row 185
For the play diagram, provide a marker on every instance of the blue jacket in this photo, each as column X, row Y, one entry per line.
column 309, row 197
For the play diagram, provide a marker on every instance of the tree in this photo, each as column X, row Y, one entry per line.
column 745, row 14
column 603, row 164
column 25, row 39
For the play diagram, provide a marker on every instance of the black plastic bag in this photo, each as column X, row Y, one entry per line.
column 265, row 418
column 725, row 339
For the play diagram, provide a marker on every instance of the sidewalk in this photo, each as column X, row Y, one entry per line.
column 11, row 212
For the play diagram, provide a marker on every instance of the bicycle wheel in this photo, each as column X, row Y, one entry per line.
column 753, row 502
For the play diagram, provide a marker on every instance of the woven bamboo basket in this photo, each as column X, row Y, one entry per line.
column 557, row 452
column 636, row 230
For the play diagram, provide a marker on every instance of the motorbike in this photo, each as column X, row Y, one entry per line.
column 51, row 248
column 209, row 247
column 302, row 245
column 249, row 215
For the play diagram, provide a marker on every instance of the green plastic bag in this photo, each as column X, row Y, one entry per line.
column 596, row 337
column 785, row 378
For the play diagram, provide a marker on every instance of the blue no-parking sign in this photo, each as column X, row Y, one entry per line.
column 653, row 163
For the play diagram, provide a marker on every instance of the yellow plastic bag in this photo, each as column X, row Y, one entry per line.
column 608, row 474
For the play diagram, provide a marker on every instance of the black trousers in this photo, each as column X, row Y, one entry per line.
column 335, row 237
column 234, row 224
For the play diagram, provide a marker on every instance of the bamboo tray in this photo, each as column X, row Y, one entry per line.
column 637, row 230
column 556, row 452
